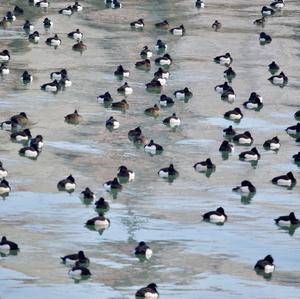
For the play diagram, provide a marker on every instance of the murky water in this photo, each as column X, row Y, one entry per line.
column 192, row 259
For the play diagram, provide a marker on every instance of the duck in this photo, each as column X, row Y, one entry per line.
column 152, row 147
column 38, row 141
column 148, row 292
column 153, row 111
column 183, row 94
column 112, row 123
column 273, row 67
column 10, row 16
column 297, row 114
column 77, row 6
column 65, row 82
column 4, row 56
column 4, row 70
column 266, row 265
column 235, row 114
column 52, row 86
column 160, row 73
column 87, row 194
column 3, row 171
column 18, row 10
column 161, row 46
column 47, row 23
column 124, row 172
column 222, row 87
column 120, row 105
column 172, row 120
column 155, row 85
column 199, row 4
column 105, row 98
column 67, row 11
column 164, row 60
column 73, row 118
column 29, row 152
column 143, row 250
column 53, row 41
column 68, row 184
column 79, row 271
column 4, row 23
column 226, row 147
column 204, row 166
column 20, row 119
column 260, row 22
column 267, row 11
column 100, row 221
column 8, row 245
column 42, row 4
column 146, row 52
column 272, row 144
column 216, row 25
column 112, row 185
column 79, row 46
column 178, row 30
column 162, row 25
column 224, row 59
column 165, row 101
column 75, row 35
column 134, row 133
column 229, row 131
column 71, row 259
column 252, row 155
column 116, row 4
column 125, row 89
column 217, row 216
column 26, row 77
column 287, row 220
column 280, row 79
column 138, row 24
column 264, row 38
column 121, row 72
column 228, row 95
column 168, row 172
column 293, row 130
column 245, row 187
column 296, row 158
column 34, row 37
column 255, row 101
column 4, row 187
column 101, row 204
column 58, row 75
column 287, row 180
column 278, row 4
column 143, row 65
column 229, row 73
column 244, row 138
column 28, row 26
column 21, row 136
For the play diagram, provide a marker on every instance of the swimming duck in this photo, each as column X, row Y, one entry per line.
column 228, row 95
column 260, row 22
column 10, row 16
column 146, row 52
column 125, row 89
column 267, row 11
column 112, row 123
column 4, row 23
column 101, row 204
column 47, row 23
column 252, row 155
column 222, row 87
column 134, row 133
column 124, row 172
column 273, row 67
column 278, row 4
column 143, row 250
column 73, row 118
column 164, row 60
column 287, row 180
column 53, row 41
column 71, row 259
column 163, row 25
column 4, row 70
column 244, row 138
column 75, row 35
column 4, row 187
column 153, row 148
column 138, row 24
column 183, row 94
column 21, row 136
column 264, row 38
column 161, row 46
column 160, row 73
column 296, row 158
column 172, row 120
column 168, row 172
column 29, row 152
column 38, row 142
column 68, row 184
column 204, row 166
column 280, row 79
column 42, row 4
column 52, row 86
column 245, row 187
column 178, row 30
column 199, row 4
column 87, row 194
column 34, row 37
column 15, row 120
column 217, row 216
column 4, row 56
column 148, row 292
column 8, row 245
column 165, row 101
column 26, row 77
column 79, row 46
column 229, row 73
column 121, row 72
column 58, row 75
column 235, row 114
column 155, row 85
column 112, row 185
column 293, row 130
column 226, row 147
column 229, row 131
column 116, row 4
column 105, row 98
column 297, row 114
column 18, row 10
column 272, row 144
column 77, row 7
column 28, row 26
column 79, row 271
column 3, row 172
column 255, row 101
column 224, row 59
column 287, row 220
column 216, row 25
column 153, row 111
column 266, row 265
column 67, row 11
column 143, row 65
column 120, row 105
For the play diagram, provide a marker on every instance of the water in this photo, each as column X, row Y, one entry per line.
column 192, row 259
